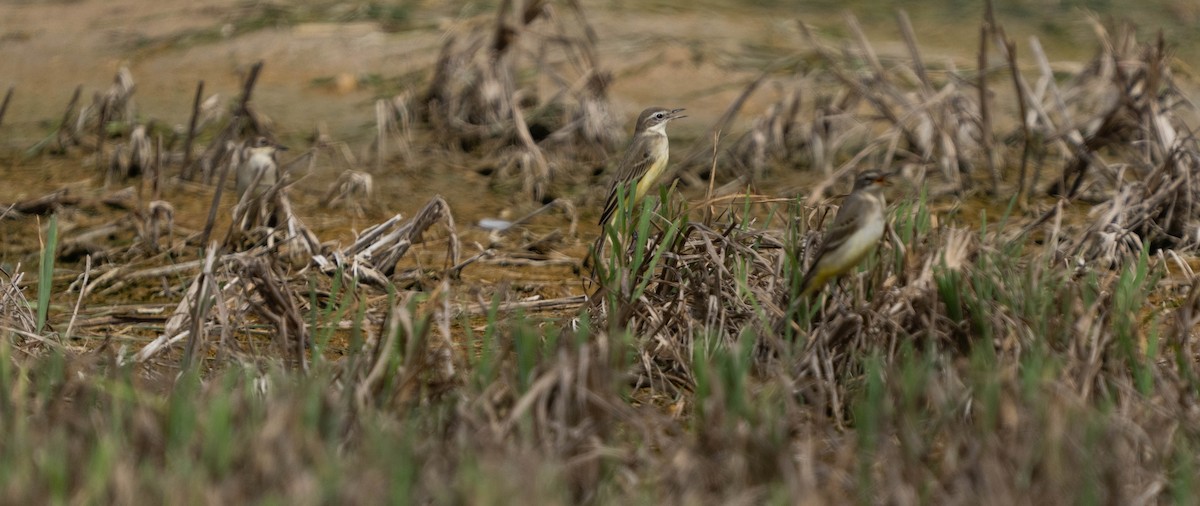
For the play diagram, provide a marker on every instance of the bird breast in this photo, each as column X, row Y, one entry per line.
column 860, row 242
column 262, row 162
column 659, row 155
column 258, row 162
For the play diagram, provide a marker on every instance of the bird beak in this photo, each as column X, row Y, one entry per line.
column 882, row 180
column 281, row 147
column 674, row 114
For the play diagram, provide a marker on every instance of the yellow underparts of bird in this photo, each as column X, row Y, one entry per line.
column 856, row 231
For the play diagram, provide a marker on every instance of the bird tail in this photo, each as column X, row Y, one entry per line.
column 812, row 282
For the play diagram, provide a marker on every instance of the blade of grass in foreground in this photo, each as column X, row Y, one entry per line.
column 46, row 273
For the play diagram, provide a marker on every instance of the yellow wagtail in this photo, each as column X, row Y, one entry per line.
column 645, row 160
column 856, row 230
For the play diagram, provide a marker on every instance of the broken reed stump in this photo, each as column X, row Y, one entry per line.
column 229, row 133
column 191, row 133
column 4, row 105
column 100, row 133
column 45, row 204
column 985, row 114
column 64, row 133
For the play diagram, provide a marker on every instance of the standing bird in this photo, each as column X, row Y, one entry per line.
column 856, row 230
column 646, row 159
column 258, row 157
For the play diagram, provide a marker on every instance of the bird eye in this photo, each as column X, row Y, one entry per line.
column 659, row 115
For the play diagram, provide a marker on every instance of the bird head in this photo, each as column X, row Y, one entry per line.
column 262, row 144
column 872, row 178
column 656, row 118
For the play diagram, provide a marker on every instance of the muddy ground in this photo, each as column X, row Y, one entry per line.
column 326, row 63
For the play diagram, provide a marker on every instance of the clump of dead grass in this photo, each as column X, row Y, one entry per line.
column 16, row 313
column 1117, row 128
column 928, row 338
column 477, row 100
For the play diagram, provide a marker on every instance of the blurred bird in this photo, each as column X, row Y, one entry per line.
column 258, row 157
column 856, row 230
column 645, row 160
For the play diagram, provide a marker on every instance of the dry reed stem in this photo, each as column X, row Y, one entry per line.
column 537, row 173
column 4, row 104
column 988, row 137
column 188, row 169
column 276, row 303
column 15, row 310
column 352, row 190
column 205, row 297
column 220, row 146
column 373, row 257
column 87, row 270
column 563, row 205
column 64, row 136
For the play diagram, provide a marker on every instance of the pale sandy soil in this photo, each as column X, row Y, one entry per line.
column 694, row 55
column 661, row 56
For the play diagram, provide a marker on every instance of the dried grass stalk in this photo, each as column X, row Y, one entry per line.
column 353, row 190
column 271, row 298
column 374, row 256
column 16, row 312
column 475, row 101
